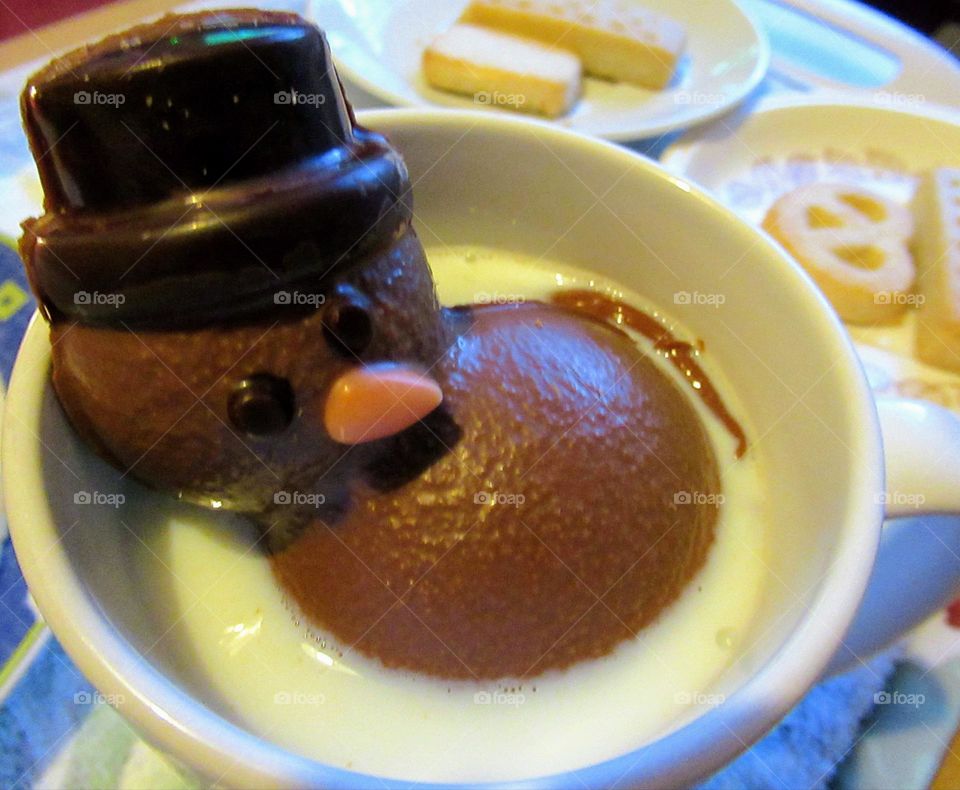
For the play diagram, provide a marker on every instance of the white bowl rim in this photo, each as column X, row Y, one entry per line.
column 197, row 736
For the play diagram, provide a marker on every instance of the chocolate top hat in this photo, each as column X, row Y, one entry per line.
column 196, row 166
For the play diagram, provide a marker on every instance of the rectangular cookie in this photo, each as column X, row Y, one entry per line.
column 937, row 249
column 502, row 70
column 615, row 39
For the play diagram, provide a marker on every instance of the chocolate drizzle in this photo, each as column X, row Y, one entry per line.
column 682, row 355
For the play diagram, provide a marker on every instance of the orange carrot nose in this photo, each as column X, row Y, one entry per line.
column 374, row 401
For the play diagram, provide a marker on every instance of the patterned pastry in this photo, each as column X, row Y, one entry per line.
column 853, row 243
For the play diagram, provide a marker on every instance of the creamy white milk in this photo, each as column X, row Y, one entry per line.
column 272, row 676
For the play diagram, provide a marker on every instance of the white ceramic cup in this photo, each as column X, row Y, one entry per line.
column 534, row 188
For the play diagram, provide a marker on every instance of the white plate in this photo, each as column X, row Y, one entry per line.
column 749, row 160
column 378, row 45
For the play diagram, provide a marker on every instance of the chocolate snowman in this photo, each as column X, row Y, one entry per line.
column 241, row 314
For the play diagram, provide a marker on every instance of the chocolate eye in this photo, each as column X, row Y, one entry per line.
column 346, row 321
column 261, row 405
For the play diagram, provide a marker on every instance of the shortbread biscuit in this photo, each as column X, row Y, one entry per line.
column 937, row 245
column 853, row 243
column 615, row 39
column 502, row 70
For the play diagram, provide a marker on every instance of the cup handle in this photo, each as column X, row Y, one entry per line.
column 918, row 565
